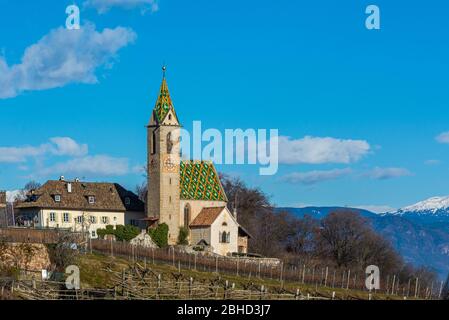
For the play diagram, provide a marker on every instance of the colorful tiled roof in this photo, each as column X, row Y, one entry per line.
column 200, row 181
column 164, row 103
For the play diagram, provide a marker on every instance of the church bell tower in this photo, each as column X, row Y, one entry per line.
column 164, row 155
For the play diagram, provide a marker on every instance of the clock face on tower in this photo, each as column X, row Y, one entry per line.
column 169, row 164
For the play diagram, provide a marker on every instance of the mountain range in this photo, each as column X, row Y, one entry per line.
column 420, row 232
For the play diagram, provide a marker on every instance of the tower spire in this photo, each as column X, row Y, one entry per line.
column 164, row 105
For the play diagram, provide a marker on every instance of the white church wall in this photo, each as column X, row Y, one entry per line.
column 224, row 223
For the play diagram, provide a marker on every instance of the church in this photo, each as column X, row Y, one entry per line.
column 187, row 194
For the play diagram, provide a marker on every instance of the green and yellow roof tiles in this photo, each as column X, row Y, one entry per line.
column 200, row 181
column 164, row 103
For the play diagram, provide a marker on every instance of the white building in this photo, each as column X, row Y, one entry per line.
column 80, row 206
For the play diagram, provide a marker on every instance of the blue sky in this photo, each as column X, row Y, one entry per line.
column 309, row 68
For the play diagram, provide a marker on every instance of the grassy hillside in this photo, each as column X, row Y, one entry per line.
column 94, row 274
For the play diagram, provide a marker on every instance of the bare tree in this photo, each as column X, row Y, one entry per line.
column 26, row 190
column 341, row 234
column 141, row 191
column 445, row 290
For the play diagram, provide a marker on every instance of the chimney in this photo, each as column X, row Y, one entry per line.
column 235, row 213
column 69, row 187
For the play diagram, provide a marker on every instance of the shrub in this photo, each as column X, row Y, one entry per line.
column 160, row 235
column 183, row 236
column 109, row 230
column 121, row 233
column 126, row 233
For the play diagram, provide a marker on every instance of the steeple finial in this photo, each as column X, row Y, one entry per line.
column 164, row 69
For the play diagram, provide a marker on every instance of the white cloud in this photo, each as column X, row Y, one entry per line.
column 316, row 176
column 59, row 146
column 21, row 154
column 68, row 147
column 315, row 150
column 63, row 57
column 432, row 162
column 386, row 173
column 103, row 6
column 100, row 165
column 443, row 137
column 376, row 208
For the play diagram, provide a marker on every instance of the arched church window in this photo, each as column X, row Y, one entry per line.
column 169, row 143
column 187, row 215
column 224, row 237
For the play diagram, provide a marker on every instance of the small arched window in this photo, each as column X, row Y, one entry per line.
column 224, row 224
column 224, row 237
column 187, row 215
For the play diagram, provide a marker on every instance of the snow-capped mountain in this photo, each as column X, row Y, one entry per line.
column 420, row 232
column 437, row 206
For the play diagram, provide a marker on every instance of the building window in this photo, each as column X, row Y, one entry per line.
column 93, row 219
column 80, row 219
column 105, row 220
column 134, row 222
column 153, row 144
column 94, row 234
column 91, row 199
column 65, row 217
column 57, row 198
column 169, row 143
column 187, row 215
column 127, row 201
column 224, row 224
column 52, row 216
column 225, row 237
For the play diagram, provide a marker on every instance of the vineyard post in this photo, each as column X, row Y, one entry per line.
column 416, row 287
column 238, row 260
column 303, row 274
column 349, row 277
column 216, row 264
column 392, row 286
